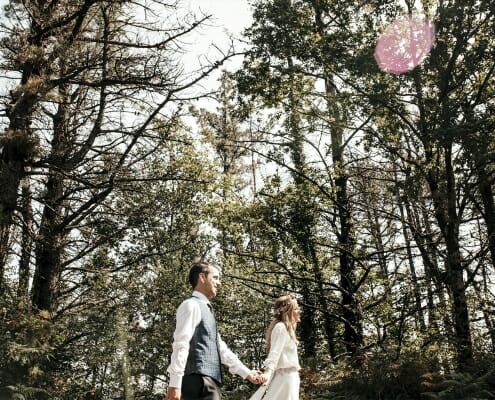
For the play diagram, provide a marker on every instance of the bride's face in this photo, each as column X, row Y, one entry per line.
column 296, row 312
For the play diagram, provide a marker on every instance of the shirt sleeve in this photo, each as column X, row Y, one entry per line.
column 278, row 339
column 229, row 359
column 187, row 319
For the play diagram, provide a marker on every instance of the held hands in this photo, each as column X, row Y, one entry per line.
column 265, row 377
column 257, row 377
column 173, row 394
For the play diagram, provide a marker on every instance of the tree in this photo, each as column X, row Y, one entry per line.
column 93, row 84
column 429, row 122
column 286, row 51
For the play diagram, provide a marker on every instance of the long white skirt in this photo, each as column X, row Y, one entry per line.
column 283, row 386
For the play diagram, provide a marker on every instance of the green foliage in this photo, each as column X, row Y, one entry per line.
column 412, row 380
column 22, row 392
column 461, row 387
column 28, row 341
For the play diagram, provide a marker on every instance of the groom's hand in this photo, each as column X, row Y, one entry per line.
column 173, row 394
column 255, row 377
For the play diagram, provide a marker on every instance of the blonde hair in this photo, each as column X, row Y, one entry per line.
column 283, row 310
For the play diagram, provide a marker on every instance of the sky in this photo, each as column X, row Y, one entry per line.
column 228, row 16
column 232, row 15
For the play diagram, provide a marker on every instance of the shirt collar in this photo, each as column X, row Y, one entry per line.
column 201, row 296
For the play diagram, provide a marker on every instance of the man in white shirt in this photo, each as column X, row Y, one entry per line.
column 198, row 350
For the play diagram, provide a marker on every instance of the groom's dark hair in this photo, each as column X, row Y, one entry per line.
column 197, row 268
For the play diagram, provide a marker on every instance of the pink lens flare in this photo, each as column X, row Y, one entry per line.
column 404, row 44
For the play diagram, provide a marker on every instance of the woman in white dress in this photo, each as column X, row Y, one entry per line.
column 281, row 373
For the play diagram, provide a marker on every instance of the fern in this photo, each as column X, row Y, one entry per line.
column 22, row 392
column 464, row 387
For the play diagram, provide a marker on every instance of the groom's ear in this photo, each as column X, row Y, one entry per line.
column 202, row 277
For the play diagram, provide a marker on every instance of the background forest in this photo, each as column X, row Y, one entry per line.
column 308, row 170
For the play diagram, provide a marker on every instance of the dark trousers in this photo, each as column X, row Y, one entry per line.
column 200, row 387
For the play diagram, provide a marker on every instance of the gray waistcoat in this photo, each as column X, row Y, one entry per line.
column 204, row 352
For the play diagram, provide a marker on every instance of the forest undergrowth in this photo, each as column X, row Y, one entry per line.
column 410, row 380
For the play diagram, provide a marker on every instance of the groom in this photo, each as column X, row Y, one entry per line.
column 198, row 351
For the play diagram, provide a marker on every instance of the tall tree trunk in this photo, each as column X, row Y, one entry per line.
column 420, row 227
column 307, row 243
column 307, row 325
column 16, row 147
column 49, row 248
column 435, row 277
column 328, row 322
column 122, row 347
column 485, row 187
column 490, row 326
column 351, row 312
column 487, row 305
column 26, row 243
column 420, row 321
column 18, row 143
column 302, row 220
column 446, row 214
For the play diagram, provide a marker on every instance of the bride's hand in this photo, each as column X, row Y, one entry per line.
column 255, row 377
column 265, row 377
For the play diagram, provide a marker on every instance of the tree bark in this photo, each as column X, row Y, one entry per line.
column 49, row 246
column 18, row 144
column 446, row 214
column 45, row 290
column 485, row 186
column 351, row 312
column 420, row 320
column 26, row 244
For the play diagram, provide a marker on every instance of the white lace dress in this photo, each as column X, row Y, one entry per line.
column 283, row 360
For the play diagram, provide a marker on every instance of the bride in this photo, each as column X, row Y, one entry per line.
column 281, row 373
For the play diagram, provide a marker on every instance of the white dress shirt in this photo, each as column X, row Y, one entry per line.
column 283, row 350
column 188, row 318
